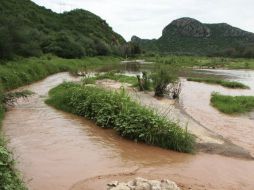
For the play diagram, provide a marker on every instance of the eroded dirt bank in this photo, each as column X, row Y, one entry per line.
column 59, row 151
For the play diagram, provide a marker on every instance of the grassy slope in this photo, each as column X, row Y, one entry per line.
column 26, row 71
column 228, row 84
column 116, row 110
column 232, row 104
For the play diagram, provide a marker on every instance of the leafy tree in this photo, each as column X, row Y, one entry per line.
column 27, row 29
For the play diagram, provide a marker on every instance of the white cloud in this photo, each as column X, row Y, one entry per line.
column 147, row 18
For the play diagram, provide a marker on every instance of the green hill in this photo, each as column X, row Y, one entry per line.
column 189, row 36
column 27, row 29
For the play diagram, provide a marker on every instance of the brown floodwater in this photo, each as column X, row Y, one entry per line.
column 60, row 151
column 195, row 100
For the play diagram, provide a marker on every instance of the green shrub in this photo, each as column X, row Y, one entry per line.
column 162, row 76
column 232, row 104
column 116, row 110
column 9, row 178
column 88, row 80
column 144, row 81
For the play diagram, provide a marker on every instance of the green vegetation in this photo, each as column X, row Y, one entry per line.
column 17, row 73
column 187, row 36
column 9, row 178
column 144, row 81
column 232, row 104
column 162, row 76
column 27, row 29
column 117, row 77
column 116, row 110
column 14, row 74
column 201, row 62
column 228, row 84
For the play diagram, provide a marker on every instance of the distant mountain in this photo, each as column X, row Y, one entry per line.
column 27, row 29
column 189, row 36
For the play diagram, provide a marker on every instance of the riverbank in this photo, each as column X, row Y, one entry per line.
column 57, row 150
column 14, row 74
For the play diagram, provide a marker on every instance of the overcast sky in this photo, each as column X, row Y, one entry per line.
column 147, row 18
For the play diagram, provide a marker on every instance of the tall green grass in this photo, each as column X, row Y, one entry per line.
column 232, row 104
column 18, row 73
column 9, row 177
column 116, row 110
column 228, row 84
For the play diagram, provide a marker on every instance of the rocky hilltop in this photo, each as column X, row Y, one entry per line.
column 187, row 27
column 190, row 36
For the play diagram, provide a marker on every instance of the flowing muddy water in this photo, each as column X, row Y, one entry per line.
column 59, row 151
column 195, row 100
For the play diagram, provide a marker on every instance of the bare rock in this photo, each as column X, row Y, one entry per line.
column 168, row 185
column 121, row 186
column 144, row 184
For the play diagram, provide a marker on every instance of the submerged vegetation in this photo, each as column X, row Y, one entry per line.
column 232, row 104
column 228, row 84
column 116, row 110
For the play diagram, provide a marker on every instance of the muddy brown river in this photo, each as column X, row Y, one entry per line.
column 60, row 151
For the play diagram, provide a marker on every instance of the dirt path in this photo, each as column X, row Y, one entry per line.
column 59, row 151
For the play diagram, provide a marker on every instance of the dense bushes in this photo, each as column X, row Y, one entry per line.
column 116, row 110
column 30, row 30
column 244, row 51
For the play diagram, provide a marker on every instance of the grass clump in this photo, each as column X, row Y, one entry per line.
column 9, row 178
column 228, row 84
column 116, row 110
column 118, row 77
column 232, row 104
column 162, row 76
